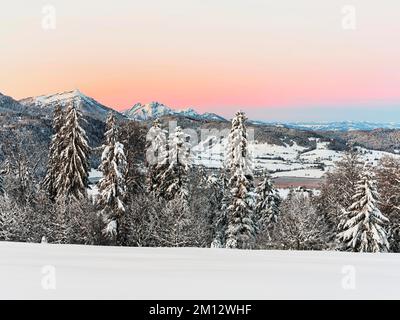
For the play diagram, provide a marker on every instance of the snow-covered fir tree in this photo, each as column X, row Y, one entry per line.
column 173, row 176
column 72, row 178
column 267, row 204
column 338, row 189
column 241, row 227
column 112, row 187
column 363, row 230
column 156, row 147
column 53, row 164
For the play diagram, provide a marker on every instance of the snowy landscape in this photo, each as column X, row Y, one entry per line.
column 151, row 175
column 288, row 160
column 203, row 150
column 91, row 198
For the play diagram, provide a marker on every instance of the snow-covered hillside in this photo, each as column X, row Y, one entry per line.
column 8, row 104
column 284, row 160
column 29, row 271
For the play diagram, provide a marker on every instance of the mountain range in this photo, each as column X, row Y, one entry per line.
column 44, row 105
column 143, row 112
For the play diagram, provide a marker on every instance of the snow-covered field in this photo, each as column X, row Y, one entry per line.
column 284, row 161
column 32, row 270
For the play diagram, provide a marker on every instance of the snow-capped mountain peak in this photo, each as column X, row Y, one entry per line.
column 45, row 101
column 148, row 111
column 88, row 105
column 189, row 112
column 143, row 112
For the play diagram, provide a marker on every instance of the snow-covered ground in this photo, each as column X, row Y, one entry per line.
column 286, row 160
column 301, row 173
column 32, row 271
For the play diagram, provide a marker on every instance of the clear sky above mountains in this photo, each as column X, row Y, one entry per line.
column 277, row 60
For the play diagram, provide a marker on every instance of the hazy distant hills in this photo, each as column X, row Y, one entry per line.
column 342, row 125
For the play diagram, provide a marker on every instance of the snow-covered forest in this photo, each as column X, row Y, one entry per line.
column 152, row 194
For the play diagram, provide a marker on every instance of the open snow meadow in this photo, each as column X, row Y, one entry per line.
column 35, row 271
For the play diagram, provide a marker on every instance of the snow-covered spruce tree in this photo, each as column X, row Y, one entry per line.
column 156, row 146
column 241, row 228
column 112, row 187
column 364, row 230
column 53, row 164
column 72, row 178
column 267, row 204
column 338, row 190
column 174, row 169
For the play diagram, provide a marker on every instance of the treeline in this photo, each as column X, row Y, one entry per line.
column 151, row 194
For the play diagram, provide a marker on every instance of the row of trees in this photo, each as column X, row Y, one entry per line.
column 166, row 201
column 226, row 217
column 239, row 213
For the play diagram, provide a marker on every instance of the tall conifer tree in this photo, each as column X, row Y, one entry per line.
column 241, row 227
column 53, row 164
column 112, row 187
column 72, row 178
column 364, row 228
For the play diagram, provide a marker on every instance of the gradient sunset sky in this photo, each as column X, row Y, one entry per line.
column 276, row 60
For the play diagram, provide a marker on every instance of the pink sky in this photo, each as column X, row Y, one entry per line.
column 213, row 55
